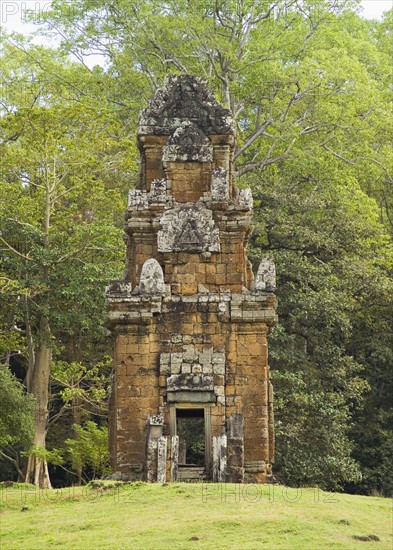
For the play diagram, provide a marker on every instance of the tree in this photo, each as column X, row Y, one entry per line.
column 274, row 64
column 11, row 340
column 90, row 448
column 332, row 265
column 58, row 235
column 16, row 418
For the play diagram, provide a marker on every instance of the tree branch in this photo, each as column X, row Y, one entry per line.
column 255, row 135
column 14, row 250
column 259, row 165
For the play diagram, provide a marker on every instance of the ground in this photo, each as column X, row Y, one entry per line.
column 173, row 516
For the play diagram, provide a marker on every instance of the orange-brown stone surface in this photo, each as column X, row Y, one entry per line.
column 189, row 324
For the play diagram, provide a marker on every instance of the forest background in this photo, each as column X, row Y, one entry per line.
column 309, row 83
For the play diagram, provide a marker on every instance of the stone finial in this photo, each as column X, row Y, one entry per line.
column 188, row 143
column 185, row 97
column 245, row 198
column 152, row 278
column 266, row 276
column 219, row 184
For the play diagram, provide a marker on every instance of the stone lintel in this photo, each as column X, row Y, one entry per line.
column 191, row 397
column 190, row 382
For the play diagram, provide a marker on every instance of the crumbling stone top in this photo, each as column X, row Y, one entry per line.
column 184, row 97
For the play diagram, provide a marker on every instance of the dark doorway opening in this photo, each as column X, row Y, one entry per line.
column 190, row 427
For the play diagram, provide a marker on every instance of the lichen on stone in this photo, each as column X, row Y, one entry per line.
column 265, row 279
column 152, row 278
column 185, row 97
column 188, row 228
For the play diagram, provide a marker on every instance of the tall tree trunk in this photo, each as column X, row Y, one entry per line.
column 37, row 468
column 76, row 418
column 73, row 355
column 30, row 347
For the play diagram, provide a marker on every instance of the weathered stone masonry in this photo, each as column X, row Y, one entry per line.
column 189, row 322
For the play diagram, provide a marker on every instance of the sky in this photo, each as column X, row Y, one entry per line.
column 373, row 9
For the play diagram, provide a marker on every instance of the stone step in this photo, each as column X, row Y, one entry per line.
column 191, row 473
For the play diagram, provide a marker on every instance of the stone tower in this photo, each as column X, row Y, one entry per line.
column 191, row 396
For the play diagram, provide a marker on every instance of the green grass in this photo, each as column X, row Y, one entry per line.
column 192, row 516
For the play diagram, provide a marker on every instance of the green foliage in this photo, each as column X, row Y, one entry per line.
column 85, row 384
column 333, row 258
column 50, row 456
column 191, row 432
column 16, row 412
column 89, row 448
column 60, row 241
column 60, row 217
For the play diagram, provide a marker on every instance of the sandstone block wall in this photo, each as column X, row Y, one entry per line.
column 189, row 323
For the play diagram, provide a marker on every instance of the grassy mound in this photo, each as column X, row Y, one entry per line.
column 170, row 516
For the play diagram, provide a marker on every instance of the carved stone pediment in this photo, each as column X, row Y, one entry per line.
column 188, row 144
column 188, row 228
column 182, row 98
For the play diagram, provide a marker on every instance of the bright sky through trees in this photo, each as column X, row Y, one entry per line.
column 13, row 19
column 13, row 12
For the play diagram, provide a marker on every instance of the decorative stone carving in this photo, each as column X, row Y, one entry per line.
column 156, row 420
column 219, row 457
column 174, row 457
column 266, row 276
column 137, row 199
column 206, row 361
column 182, row 98
column 219, row 185
column 188, row 228
column 152, row 278
column 190, row 382
column 118, row 289
column 158, row 190
column 245, row 198
column 187, row 143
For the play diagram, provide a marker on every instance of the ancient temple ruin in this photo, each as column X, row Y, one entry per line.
column 191, row 396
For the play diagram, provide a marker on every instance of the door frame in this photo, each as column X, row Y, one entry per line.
column 208, row 430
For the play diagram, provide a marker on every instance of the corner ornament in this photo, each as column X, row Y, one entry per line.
column 152, row 278
column 265, row 279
